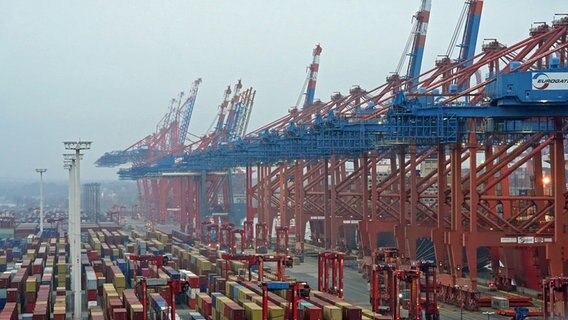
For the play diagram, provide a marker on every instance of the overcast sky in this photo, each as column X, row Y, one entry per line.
column 106, row 70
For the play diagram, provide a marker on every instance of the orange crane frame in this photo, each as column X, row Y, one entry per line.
column 258, row 259
column 331, row 261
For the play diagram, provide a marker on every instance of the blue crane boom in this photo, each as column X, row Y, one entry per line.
column 471, row 31
column 244, row 115
column 419, row 32
column 188, row 111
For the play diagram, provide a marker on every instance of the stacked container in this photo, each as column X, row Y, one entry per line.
column 4, row 285
column 59, row 309
column 43, row 304
column 91, row 286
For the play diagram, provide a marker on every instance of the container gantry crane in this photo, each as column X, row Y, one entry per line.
column 325, row 168
column 330, row 273
column 448, row 121
column 297, row 291
column 262, row 237
column 168, row 139
column 282, row 240
column 233, row 246
column 258, row 260
column 381, row 286
column 555, row 298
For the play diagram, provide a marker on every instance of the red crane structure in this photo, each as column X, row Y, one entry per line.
column 459, row 191
column 330, row 273
column 405, row 201
column 159, row 261
column 281, row 246
column 296, row 291
column 233, row 246
column 555, row 297
column 479, row 207
column 382, row 290
column 262, row 237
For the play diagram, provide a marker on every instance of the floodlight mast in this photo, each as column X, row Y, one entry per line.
column 74, row 234
column 41, row 172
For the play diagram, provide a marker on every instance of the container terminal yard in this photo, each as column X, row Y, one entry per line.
column 439, row 194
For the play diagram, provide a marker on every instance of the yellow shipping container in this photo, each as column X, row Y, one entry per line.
column 332, row 313
column 119, row 281
column 252, row 311
column 31, row 254
column 31, row 284
column 220, row 303
column 276, row 313
column 59, row 310
column 61, row 267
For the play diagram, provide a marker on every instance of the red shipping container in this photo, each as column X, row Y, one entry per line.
column 29, row 308
column 92, row 295
column 10, row 311
column 313, row 313
column 206, row 306
column 119, row 314
column 234, row 312
column 40, row 317
column 37, row 268
column 113, row 304
column 59, row 316
column 191, row 303
column 5, row 280
column 193, row 281
column 352, row 312
column 61, row 292
column 30, row 296
column 12, row 295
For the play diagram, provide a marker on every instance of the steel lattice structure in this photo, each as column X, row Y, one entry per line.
column 435, row 155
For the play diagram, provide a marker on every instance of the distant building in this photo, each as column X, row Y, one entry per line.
column 91, row 201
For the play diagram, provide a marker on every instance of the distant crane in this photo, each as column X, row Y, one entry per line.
column 170, row 135
column 55, row 232
column 232, row 118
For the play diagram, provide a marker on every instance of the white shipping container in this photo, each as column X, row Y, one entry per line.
column 499, row 303
column 27, row 316
column 91, row 284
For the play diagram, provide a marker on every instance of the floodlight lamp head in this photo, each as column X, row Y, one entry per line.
column 40, row 170
column 77, row 145
column 72, row 156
